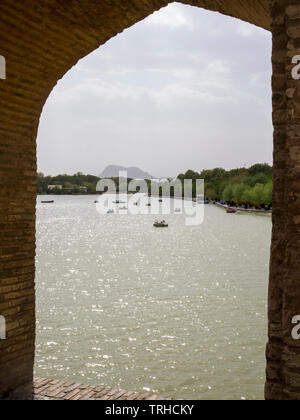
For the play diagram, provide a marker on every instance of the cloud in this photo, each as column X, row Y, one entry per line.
column 182, row 79
column 172, row 17
column 245, row 29
column 260, row 79
column 212, row 83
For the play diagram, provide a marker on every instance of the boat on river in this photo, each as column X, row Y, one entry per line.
column 231, row 210
column 162, row 224
column 47, row 202
column 119, row 202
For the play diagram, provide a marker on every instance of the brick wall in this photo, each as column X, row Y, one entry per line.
column 41, row 41
column 283, row 352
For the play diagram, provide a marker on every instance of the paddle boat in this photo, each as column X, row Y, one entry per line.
column 162, row 224
column 47, row 202
column 231, row 210
column 119, row 202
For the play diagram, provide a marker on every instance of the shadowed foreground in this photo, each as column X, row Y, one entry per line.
column 47, row 389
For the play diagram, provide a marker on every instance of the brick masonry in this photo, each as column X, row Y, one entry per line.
column 41, row 41
column 54, row 389
column 283, row 353
column 48, row 389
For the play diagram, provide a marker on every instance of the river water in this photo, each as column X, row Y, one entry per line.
column 178, row 311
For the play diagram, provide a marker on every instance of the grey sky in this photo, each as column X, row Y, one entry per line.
column 184, row 89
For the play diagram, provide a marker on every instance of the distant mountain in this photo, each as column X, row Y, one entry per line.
column 112, row 171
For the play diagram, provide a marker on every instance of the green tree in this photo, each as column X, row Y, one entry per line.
column 227, row 194
column 267, row 194
column 238, row 191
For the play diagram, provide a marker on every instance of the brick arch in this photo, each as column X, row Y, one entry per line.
column 41, row 41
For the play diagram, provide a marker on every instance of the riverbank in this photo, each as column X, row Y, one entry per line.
column 241, row 209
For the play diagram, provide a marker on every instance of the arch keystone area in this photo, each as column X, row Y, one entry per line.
column 40, row 42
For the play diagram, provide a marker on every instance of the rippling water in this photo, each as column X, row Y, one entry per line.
column 178, row 311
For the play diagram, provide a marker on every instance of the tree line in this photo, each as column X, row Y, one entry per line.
column 243, row 186
column 67, row 184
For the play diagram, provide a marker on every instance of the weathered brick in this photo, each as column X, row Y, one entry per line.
column 30, row 32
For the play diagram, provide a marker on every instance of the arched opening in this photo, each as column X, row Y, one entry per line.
column 192, row 315
column 40, row 43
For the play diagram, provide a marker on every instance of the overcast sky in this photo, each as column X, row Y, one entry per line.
column 183, row 89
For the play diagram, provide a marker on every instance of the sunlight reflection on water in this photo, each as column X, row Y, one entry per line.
column 179, row 311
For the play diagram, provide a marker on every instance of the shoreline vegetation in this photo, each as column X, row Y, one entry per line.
column 246, row 188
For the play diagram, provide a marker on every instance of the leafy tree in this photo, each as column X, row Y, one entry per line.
column 261, row 168
column 227, row 194
column 267, row 194
column 238, row 191
column 257, row 194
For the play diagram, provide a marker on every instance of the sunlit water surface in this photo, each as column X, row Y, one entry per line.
column 178, row 311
